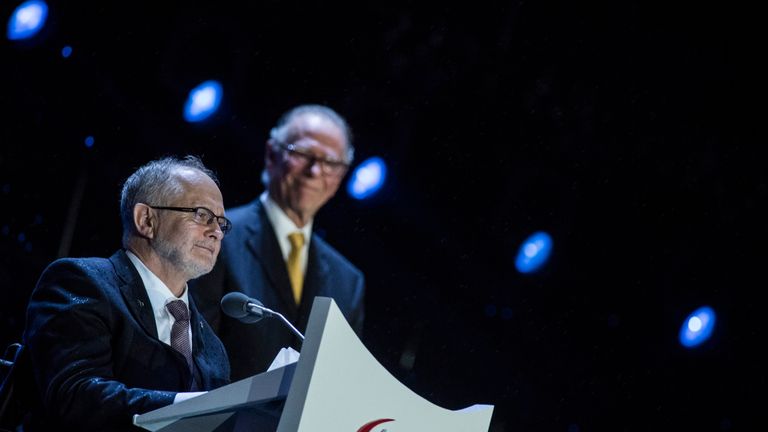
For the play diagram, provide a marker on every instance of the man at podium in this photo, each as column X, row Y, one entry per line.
column 110, row 338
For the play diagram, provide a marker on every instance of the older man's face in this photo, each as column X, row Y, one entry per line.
column 189, row 246
column 301, row 188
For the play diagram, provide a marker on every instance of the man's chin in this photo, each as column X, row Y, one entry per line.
column 199, row 269
column 307, row 206
column 199, row 272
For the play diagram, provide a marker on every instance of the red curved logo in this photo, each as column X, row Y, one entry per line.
column 368, row 427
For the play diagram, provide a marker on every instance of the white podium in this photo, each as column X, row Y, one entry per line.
column 336, row 386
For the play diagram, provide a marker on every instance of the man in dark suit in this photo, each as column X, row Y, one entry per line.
column 111, row 338
column 272, row 254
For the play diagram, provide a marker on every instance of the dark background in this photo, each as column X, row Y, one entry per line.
column 614, row 127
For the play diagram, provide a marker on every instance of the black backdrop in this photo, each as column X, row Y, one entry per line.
column 611, row 126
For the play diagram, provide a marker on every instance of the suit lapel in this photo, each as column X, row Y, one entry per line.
column 270, row 258
column 198, row 345
column 134, row 293
column 314, row 279
column 137, row 299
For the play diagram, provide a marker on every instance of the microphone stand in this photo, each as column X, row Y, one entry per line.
column 256, row 309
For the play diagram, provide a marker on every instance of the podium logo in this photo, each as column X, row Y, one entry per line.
column 368, row 427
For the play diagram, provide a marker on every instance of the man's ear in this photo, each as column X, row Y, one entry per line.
column 270, row 154
column 144, row 220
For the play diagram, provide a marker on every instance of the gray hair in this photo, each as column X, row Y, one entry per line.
column 281, row 132
column 155, row 184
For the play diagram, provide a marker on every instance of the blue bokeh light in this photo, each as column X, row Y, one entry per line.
column 27, row 20
column 66, row 51
column 89, row 141
column 203, row 101
column 698, row 327
column 368, row 178
column 490, row 310
column 534, row 252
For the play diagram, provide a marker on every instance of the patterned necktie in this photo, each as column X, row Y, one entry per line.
column 180, row 329
column 294, row 264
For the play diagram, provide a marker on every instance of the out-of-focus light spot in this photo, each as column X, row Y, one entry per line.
column 506, row 313
column 490, row 310
column 28, row 247
column 27, row 19
column 367, row 178
column 694, row 324
column 203, row 101
column 534, row 252
column 5, row 230
column 89, row 141
column 21, row 237
column 698, row 327
column 66, row 51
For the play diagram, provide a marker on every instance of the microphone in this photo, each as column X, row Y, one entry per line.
column 247, row 310
column 240, row 307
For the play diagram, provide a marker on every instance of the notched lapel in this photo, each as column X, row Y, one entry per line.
column 198, row 325
column 134, row 293
column 262, row 238
column 314, row 279
column 198, row 343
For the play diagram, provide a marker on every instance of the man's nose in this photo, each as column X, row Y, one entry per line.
column 315, row 167
column 216, row 231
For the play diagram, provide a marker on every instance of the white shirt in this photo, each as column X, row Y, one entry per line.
column 159, row 295
column 284, row 226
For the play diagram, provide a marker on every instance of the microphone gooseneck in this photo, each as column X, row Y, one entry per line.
column 248, row 310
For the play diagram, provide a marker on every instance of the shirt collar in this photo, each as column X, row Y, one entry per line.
column 159, row 293
column 282, row 224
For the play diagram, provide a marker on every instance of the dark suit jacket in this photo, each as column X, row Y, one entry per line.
column 93, row 344
column 251, row 262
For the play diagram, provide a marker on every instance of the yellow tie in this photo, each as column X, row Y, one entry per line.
column 294, row 264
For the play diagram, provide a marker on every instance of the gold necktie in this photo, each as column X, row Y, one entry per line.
column 294, row 264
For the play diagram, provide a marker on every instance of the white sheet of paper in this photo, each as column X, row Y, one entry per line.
column 286, row 356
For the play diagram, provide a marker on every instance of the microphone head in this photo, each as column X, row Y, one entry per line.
column 235, row 305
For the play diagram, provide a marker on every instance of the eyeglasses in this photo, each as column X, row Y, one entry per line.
column 201, row 215
column 329, row 167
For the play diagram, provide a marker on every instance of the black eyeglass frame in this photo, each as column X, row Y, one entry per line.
column 331, row 167
column 225, row 225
